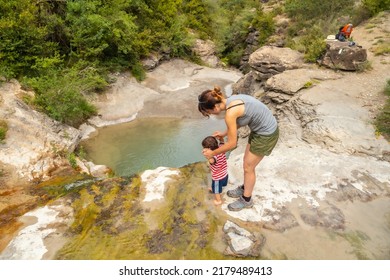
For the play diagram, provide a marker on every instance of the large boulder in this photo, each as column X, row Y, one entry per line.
column 344, row 55
column 270, row 60
column 282, row 87
column 264, row 63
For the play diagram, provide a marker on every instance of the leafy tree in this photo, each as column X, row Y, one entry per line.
column 23, row 40
column 162, row 22
column 101, row 29
column 52, row 14
column 198, row 16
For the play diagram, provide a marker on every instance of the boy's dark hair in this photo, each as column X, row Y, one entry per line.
column 210, row 142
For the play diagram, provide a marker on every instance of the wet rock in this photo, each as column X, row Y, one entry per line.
column 328, row 217
column 281, row 221
column 48, row 223
column 87, row 131
column 88, row 167
column 15, row 202
column 347, row 192
column 155, row 182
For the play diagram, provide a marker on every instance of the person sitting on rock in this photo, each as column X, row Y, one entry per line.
column 218, row 167
column 344, row 32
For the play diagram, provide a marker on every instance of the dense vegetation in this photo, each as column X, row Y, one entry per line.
column 64, row 49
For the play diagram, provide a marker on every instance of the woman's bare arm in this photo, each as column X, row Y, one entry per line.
column 231, row 123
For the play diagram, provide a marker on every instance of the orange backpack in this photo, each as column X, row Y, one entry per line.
column 347, row 30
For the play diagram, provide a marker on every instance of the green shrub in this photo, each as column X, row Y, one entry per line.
column 360, row 14
column 234, row 56
column 264, row 23
column 178, row 43
column 72, row 160
column 3, row 130
column 80, row 152
column 138, row 71
column 60, row 93
column 308, row 84
column 198, row 17
column 381, row 48
column 315, row 49
column 376, row 6
column 232, row 30
column 308, row 9
column 383, row 119
column 311, row 44
column 364, row 66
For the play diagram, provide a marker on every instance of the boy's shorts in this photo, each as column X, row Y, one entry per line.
column 262, row 145
column 217, row 185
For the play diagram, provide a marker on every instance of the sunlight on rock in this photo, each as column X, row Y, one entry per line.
column 32, row 236
column 155, row 180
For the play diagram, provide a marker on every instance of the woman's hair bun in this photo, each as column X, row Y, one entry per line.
column 217, row 89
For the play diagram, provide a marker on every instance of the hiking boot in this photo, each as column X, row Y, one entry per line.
column 236, row 193
column 240, row 204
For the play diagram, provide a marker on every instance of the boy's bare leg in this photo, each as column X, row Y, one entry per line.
column 218, row 199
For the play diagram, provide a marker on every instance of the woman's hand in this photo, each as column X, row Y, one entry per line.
column 207, row 153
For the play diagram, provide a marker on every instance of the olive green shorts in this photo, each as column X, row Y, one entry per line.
column 262, row 145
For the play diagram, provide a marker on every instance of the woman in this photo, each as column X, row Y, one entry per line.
column 241, row 110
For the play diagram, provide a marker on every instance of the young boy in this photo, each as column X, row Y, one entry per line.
column 218, row 167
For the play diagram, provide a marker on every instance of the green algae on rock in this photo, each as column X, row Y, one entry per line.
column 112, row 222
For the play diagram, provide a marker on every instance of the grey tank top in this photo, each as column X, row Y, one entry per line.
column 256, row 115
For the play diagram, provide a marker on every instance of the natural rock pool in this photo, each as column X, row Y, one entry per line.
column 149, row 143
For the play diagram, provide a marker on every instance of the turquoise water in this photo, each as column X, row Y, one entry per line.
column 149, row 143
